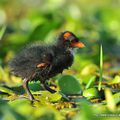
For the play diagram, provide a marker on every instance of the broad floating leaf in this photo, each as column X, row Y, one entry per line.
column 45, row 96
column 51, row 97
column 69, row 85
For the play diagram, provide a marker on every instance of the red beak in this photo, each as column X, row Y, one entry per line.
column 78, row 44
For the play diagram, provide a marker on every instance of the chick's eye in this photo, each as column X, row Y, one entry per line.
column 71, row 41
column 76, row 40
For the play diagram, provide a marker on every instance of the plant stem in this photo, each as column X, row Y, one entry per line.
column 101, row 68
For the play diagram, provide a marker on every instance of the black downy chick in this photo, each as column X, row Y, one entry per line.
column 41, row 62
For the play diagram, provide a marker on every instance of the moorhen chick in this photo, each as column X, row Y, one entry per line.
column 41, row 62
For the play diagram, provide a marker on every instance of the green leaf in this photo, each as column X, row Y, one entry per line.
column 117, row 97
column 69, row 85
column 34, row 86
column 6, row 90
column 51, row 97
column 115, row 80
column 110, row 100
column 92, row 79
column 91, row 93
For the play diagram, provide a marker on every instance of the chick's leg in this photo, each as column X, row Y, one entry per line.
column 25, row 86
column 48, row 88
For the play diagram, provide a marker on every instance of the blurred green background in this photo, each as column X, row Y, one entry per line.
column 95, row 22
